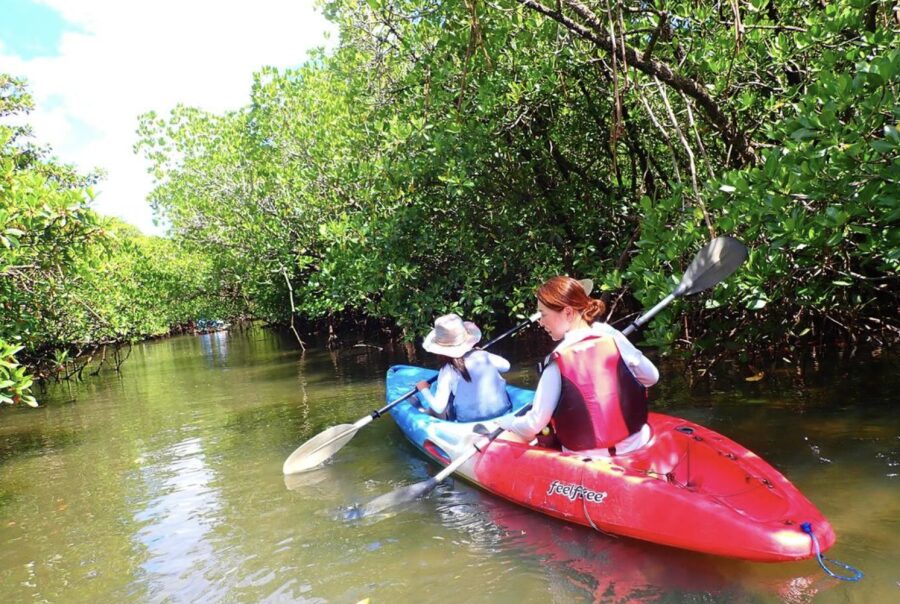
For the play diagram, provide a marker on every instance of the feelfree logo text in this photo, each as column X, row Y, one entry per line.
column 575, row 491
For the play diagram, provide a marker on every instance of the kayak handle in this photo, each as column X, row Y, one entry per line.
column 857, row 574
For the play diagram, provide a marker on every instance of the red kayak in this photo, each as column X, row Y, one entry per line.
column 689, row 487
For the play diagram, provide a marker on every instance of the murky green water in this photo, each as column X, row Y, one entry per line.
column 165, row 485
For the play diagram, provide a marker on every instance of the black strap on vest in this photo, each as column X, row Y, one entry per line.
column 542, row 365
column 450, row 410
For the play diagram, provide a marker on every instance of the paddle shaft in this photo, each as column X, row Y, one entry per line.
column 476, row 448
column 421, row 489
column 513, row 330
column 640, row 321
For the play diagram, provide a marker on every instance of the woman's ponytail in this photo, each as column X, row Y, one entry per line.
column 558, row 292
column 594, row 310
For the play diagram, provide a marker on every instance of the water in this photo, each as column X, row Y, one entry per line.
column 164, row 485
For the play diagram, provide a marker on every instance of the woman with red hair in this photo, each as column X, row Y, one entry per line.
column 592, row 391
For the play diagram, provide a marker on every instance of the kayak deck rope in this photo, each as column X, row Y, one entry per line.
column 587, row 514
column 857, row 574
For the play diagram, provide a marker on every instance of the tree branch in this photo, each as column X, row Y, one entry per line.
column 663, row 18
column 293, row 309
column 594, row 32
column 690, row 154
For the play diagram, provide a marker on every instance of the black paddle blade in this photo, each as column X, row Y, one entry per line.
column 713, row 264
column 395, row 498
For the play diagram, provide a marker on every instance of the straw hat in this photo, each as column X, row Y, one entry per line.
column 451, row 336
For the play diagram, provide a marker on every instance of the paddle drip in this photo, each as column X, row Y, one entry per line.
column 857, row 574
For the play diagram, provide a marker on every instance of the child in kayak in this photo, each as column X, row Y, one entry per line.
column 469, row 387
column 592, row 392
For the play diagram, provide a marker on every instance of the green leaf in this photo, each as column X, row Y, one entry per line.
column 758, row 304
column 883, row 146
column 890, row 133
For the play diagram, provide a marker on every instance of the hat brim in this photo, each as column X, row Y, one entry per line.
column 473, row 336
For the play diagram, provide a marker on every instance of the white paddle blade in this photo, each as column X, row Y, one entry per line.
column 421, row 489
column 713, row 264
column 393, row 499
column 319, row 448
column 588, row 285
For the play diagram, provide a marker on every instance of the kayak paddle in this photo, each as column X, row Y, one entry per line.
column 712, row 264
column 325, row 444
column 421, row 489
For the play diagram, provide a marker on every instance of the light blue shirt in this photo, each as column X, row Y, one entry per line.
column 483, row 398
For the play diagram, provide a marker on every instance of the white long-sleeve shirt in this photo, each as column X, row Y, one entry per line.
column 482, row 398
column 549, row 388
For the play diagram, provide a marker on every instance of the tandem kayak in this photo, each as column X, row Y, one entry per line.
column 689, row 487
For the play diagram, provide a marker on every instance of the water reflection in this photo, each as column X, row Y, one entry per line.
column 582, row 565
column 214, row 346
column 177, row 523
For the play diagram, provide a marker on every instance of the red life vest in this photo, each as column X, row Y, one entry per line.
column 601, row 402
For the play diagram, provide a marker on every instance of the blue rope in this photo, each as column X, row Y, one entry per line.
column 857, row 574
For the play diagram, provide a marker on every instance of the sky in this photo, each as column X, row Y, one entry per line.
column 93, row 66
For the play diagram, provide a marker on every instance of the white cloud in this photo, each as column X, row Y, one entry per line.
column 132, row 57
